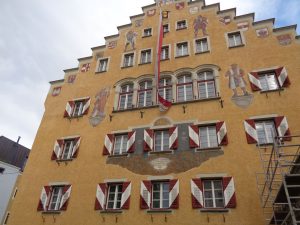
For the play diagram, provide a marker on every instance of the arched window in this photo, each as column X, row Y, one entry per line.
column 125, row 98
column 185, row 88
column 206, row 85
column 165, row 88
column 145, row 94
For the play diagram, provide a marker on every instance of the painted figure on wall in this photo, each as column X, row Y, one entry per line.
column 130, row 39
column 98, row 113
column 236, row 79
column 200, row 23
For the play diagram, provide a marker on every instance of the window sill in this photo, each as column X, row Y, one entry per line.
column 74, row 117
column 236, row 46
column 200, row 53
column 64, row 160
column 124, row 67
column 145, row 36
column 274, row 90
column 265, row 144
column 100, row 71
column 165, row 59
column 161, row 152
column 111, row 211
column 208, row 149
column 119, row 156
column 140, row 64
column 197, row 100
column 52, row 212
column 181, row 56
column 214, row 210
column 133, row 109
column 183, row 28
column 165, row 32
column 159, row 211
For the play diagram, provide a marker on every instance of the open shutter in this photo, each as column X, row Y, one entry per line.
column 58, row 146
column 69, row 109
column 222, row 133
column 282, row 77
column 131, row 142
column 282, row 127
column 229, row 192
column 108, row 144
column 100, row 196
column 148, row 140
column 174, row 194
column 173, row 138
column 145, row 197
column 194, row 136
column 197, row 193
column 126, row 190
column 44, row 198
column 86, row 106
column 76, row 147
column 251, row 133
column 65, row 197
column 254, row 81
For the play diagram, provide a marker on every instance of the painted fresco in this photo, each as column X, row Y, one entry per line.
column 179, row 5
column 151, row 12
column 130, row 40
column 262, row 33
column 225, row 20
column 85, row 67
column 71, row 79
column 284, row 39
column 112, row 44
column 138, row 23
column 200, row 23
column 194, row 10
column 243, row 26
column 56, row 91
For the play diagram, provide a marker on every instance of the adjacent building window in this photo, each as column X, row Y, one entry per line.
column 161, row 140
column 206, row 85
column 185, row 88
column 114, row 196
column 166, row 28
column 120, row 144
column 268, row 81
column 201, row 45
column 160, row 195
column 213, row 194
column 147, row 32
column 146, row 56
column 128, row 60
column 125, row 98
column 235, row 39
column 165, row 88
column 208, row 137
column 181, row 25
column 103, row 64
column 266, row 131
column 182, row 49
column 145, row 94
column 56, row 197
column 164, row 53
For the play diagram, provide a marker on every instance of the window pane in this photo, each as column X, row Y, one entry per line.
column 209, row 203
column 219, row 203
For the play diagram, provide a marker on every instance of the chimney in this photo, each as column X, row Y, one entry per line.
column 18, row 139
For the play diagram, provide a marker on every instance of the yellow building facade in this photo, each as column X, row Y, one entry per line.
column 104, row 152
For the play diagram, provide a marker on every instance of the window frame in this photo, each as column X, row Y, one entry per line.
column 184, row 85
column 116, row 194
column 80, row 110
column 145, row 91
column 166, row 25
column 126, row 94
column 177, row 50
column 266, row 137
column 168, row 53
column 60, row 195
column 122, row 144
column 213, row 198
column 149, row 58
column 181, row 21
column 208, row 137
column 124, row 58
column 144, row 32
column 201, row 39
column 98, row 70
column 165, row 87
column 163, row 132
column 206, row 81
column 69, row 151
column 233, row 33
column 161, row 183
column 266, row 73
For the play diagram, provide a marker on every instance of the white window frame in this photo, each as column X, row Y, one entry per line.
column 166, row 24
column 58, row 200
column 185, row 84
column 145, row 91
column 206, row 81
column 126, row 94
column 78, row 105
column 123, row 59
column 123, row 145
column 162, row 132
column 241, row 33
column 116, row 194
column 148, row 58
column 147, row 35
column 182, row 28
column 264, row 76
column 165, row 88
column 212, row 190
column 99, row 70
column 169, row 52
column 267, row 140
column 161, row 183
column 176, row 51
column 69, row 150
column 208, row 137
column 200, row 39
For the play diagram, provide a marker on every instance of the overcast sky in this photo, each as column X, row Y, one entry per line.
column 38, row 39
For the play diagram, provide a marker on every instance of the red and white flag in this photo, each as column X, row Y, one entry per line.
column 163, row 103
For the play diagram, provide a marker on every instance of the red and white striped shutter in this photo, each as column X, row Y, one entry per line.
column 282, row 77
column 76, row 147
column 197, row 193
column 173, row 138
column 65, row 197
column 108, row 144
column 222, row 133
column 44, row 198
column 145, row 198
column 126, row 190
column 131, row 142
column 69, row 109
column 58, row 146
column 174, row 194
column 229, row 192
column 100, row 196
column 86, row 106
column 148, row 140
column 194, row 136
column 254, row 81
column 282, row 127
column 251, row 133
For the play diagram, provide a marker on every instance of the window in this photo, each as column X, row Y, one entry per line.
column 181, row 25
column 77, row 108
column 165, row 89
column 235, row 39
column 206, row 85
column 266, row 131
column 2, row 170
column 114, row 196
column 160, row 195
column 120, row 145
column 125, row 99
column 166, row 28
column 201, row 45
column 128, row 60
column 213, row 194
column 145, row 94
column 65, row 149
column 182, row 49
column 268, row 81
column 146, row 56
column 103, row 64
column 185, row 88
column 147, row 32
column 164, row 53
column 161, row 140
column 208, row 137
column 55, row 199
